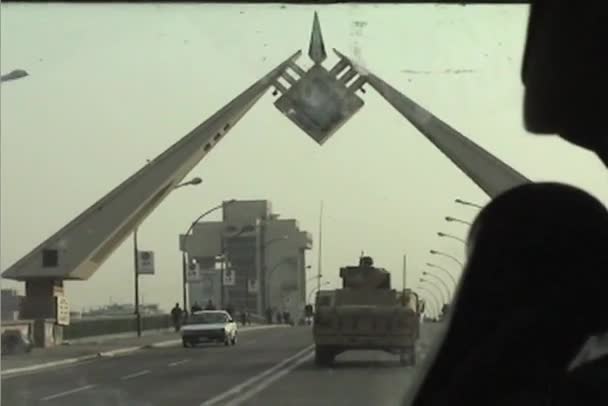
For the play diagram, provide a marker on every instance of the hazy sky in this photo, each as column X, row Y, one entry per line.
column 114, row 85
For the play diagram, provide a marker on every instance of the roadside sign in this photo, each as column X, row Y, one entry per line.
column 193, row 273
column 145, row 263
column 62, row 310
column 229, row 277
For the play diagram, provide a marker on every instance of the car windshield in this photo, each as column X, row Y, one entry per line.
column 161, row 161
column 207, row 318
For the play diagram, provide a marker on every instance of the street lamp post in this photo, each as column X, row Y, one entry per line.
column 192, row 182
column 266, row 293
column 443, row 270
column 431, row 293
column 466, row 203
column 315, row 289
column 435, row 252
column 431, row 306
column 312, row 278
column 440, row 234
column 457, row 220
column 225, row 261
column 445, row 285
column 184, row 259
column 13, row 75
column 443, row 298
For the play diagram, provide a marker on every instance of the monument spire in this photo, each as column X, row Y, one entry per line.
column 316, row 50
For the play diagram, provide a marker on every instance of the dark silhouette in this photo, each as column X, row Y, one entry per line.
column 210, row 305
column 308, row 314
column 196, row 308
column 535, row 253
column 176, row 317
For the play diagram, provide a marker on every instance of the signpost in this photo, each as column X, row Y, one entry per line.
column 229, row 277
column 253, row 286
column 193, row 273
column 62, row 310
column 146, row 263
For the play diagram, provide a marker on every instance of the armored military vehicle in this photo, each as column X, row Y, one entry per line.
column 366, row 314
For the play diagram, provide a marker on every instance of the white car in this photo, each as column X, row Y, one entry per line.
column 209, row 326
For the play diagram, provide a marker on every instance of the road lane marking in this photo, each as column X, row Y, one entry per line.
column 67, row 392
column 57, row 368
column 236, row 390
column 136, row 374
column 78, row 361
column 173, row 364
column 267, row 382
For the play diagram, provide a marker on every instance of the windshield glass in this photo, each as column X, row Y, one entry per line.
column 208, row 318
column 162, row 159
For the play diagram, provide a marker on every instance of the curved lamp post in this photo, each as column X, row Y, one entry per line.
column 315, row 289
column 193, row 182
column 186, row 234
column 445, row 285
column 435, row 252
column 436, row 286
column 451, row 219
column 445, row 235
column 466, row 203
column 443, row 270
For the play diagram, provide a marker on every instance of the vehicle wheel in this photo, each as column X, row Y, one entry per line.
column 323, row 356
column 186, row 344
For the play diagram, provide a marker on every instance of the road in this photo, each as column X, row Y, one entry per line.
column 266, row 367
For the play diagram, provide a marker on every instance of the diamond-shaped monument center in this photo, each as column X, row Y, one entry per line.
column 319, row 103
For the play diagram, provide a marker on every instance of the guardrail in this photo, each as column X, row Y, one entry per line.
column 100, row 326
column 47, row 333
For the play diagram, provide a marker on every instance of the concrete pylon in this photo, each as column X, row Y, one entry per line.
column 77, row 250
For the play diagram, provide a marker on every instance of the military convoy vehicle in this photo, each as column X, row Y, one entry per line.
column 366, row 314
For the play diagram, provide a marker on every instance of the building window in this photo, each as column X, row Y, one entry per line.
column 50, row 258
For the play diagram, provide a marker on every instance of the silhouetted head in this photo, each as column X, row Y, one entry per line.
column 564, row 72
column 530, row 294
column 537, row 245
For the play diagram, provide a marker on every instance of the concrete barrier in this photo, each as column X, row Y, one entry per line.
column 45, row 333
column 100, row 326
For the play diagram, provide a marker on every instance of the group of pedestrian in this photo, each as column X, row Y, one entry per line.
column 179, row 315
column 280, row 317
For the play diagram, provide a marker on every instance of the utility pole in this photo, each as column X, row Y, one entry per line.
column 222, row 271
column 184, row 281
column 320, row 260
column 404, row 271
column 136, row 259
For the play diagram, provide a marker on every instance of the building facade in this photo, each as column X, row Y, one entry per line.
column 251, row 260
column 11, row 304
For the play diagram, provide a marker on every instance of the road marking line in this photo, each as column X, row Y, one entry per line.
column 72, row 362
column 67, row 392
column 266, row 383
column 57, row 368
column 178, row 362
column 136, row 374
column 240, row 387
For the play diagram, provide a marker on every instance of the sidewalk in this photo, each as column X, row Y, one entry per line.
column 90, row 349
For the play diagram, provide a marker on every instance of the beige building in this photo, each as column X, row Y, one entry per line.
column 261, row 257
